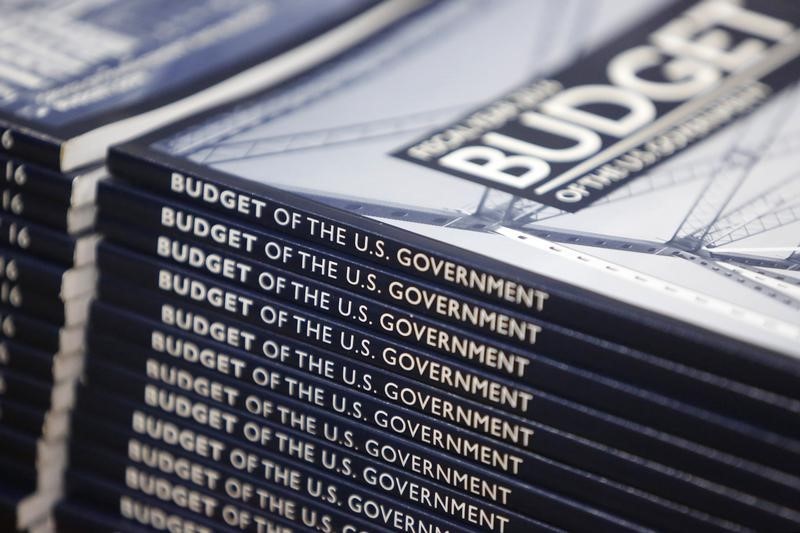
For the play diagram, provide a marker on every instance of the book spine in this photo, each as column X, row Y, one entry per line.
column 25, row 476
column 207, row 498
column 13, row 494
column 132, row 510
column 509, row 394
column 36, row 179
column 183, row 347
column 23, row 360
column 161, row 336
column 40, row 210
column 289, row 495
column 18, row 447
column 344, row 482
column 516, row 431
column 257, row 250
column 289, row 273
column 482, row 277
column 272, row 392
column 345, row 435
column 46, row 307
column 410, row 466
column 37, row 240
column 252, row 312
column 31, row 273
column 176, row 229
column 34, row 332
column 72, row 515
column 25, row 143
column 21, row 417
column 27, row 390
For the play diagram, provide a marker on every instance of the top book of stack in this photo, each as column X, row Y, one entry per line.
column 78, row 76
column 643, row 192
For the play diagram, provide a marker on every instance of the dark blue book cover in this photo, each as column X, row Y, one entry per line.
column 77, row 76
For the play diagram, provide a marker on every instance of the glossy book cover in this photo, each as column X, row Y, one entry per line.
column 77, row 76
column 645, row 152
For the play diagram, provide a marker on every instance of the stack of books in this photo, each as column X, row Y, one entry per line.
column 507, row 266
column 76, row 77
column 427, row 266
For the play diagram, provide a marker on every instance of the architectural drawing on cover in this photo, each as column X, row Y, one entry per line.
column 716, row 233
